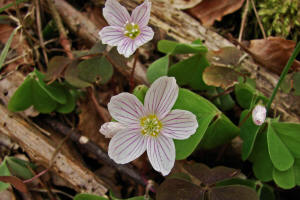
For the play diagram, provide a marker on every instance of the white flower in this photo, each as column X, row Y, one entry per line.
column 125, row 31
column 151, row 126
column 259, row 114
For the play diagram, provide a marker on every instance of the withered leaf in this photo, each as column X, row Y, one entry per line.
column 16, row 182
column 232, row 192
column 217, row 76
column 210, row 176
column 210, row 10
column 225, row 56
column 273, row 53
column 182, row 4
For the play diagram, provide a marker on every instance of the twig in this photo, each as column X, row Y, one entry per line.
column 101, row 111
column 39, row 29
column 258, row 20
column 92, row 148
column 131, row 79
column 65, row 43
column 244, row 19
column 53, row 190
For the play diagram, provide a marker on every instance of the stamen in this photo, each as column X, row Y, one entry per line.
column 151, row 126
column 132, row 30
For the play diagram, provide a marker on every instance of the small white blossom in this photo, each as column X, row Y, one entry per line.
column 150, row 127
column 259, row 114
column 125, row 31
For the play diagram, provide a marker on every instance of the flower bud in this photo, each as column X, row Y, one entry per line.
column 259, row 114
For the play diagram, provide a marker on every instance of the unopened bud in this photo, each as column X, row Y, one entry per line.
column 259, row 114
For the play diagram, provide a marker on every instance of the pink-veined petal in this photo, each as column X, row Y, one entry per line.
column 115, row 14
column 111, row 35
column 141, row 14
column 179, row 124
column 109, row 129
column 161, row 153
column 161, row 96
column 127, row 145
column 145, row 36
column 126, row 108
column 127, row 47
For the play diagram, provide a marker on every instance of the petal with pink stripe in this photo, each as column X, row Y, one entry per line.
column 145, row 36
column 111, row 35
column 127, row 47
column 126, row 109
column 127, row 145
column 115, row 14
column 179, row 124
column 161, row 96
column 161, row 153
column 141, row 14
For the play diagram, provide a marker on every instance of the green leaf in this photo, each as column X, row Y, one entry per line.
column 21, row 99
column 225, row 101
column 189, row 72
column 98, row 48
column 69, row 105
column 88, row 197
column 54, row 90
column 297, row 171
column 10, row 5
column 221, row 131
column 4, row 172
column 237, row 181
column 6, row 48
column 41, row 101
column 265, row 192
column 232, row 192
column 248, row 133
column 72, row 76
column 140, row 92
column 56, row 66
column 284, row 179
column 244, row 94
column 281, row 157
column 262, row 164
column 171, row 47
column 158, row 68
column 204, row 111
column 289, row 133
column 97, row 69
column 19, row 168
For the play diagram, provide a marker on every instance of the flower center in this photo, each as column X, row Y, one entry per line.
column 132, row 30
column 151, row 126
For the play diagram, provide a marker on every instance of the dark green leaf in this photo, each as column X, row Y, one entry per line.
column 19, row 168
column 248, row 133
column 238, row 181
column 72, row 76
column 296, row 83
column 158, row 68
column 22, row 99
column 172, row 47
column 222, row 130
column 284, row 179
column 98, row 48
column 97, row 69
column 232, row 192
column 204, row 111
column 189, row 72
column 41, row 101
column 54, row 90
column 177, row 189
column 244, row 94
column 6, row 48
column 281, row 157
column 297, row 171
column 88, row 197
column 140, row 92
column 265, row 192
column 69, row 105
column 56, row 66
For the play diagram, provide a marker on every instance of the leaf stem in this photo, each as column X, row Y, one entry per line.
column 283, row 74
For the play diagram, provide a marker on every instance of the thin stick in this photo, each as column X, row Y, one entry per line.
column 39, row 28
column 244, row 19
column 258, row 20
column 100, row 109
column 131, row 79
column 65, row 43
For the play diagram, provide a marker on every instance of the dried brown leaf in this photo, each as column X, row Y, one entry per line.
column 210, row 10
column 16, row 182
column 182, row 4
column 273, row 53
column 225, row 56
column 217, row 76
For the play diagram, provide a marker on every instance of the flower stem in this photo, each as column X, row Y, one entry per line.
column 283, row 74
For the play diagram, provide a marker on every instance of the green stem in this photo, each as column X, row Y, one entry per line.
column 283, row 74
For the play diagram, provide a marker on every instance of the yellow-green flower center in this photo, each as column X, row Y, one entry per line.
column 151, row 126
column 132, row 30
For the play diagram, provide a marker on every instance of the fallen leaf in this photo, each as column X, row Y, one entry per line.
column 273, row 53
column 182, row 4
column 16, row 182
column 210, row 10
column 19, row 47
column 217, row 76
column 225, row 56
